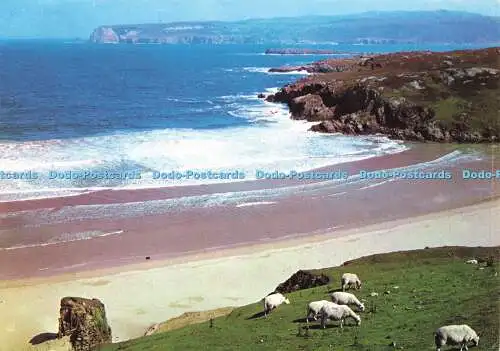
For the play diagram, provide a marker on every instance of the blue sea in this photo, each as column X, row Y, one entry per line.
column 152, row 108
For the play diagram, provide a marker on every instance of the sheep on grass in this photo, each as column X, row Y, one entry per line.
column 345, row 298
column 350, row 279
column 272, row 301
column 334, row 312
column 455, row 335
column 314, row 308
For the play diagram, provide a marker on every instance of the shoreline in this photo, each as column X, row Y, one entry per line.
column 241, row 250
column 187, row 231
column 234, row 278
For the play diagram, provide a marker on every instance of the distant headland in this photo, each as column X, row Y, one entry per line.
column 366, row 28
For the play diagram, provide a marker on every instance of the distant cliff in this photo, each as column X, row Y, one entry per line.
column 367, row 28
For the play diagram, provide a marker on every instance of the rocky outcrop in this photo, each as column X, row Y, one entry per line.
column 302, row 280
column 423, row 96
column 292, row 51
column 316, row 67
column 310, row 107
column 84, row 321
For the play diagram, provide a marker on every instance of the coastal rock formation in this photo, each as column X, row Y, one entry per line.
column 316, row 67
column 310, row 107
column 419, row 96
column 293, row 51
column 84, row 321
column 302, row 280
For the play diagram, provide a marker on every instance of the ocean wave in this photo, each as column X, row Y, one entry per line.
column 245, row 148
column 187, row 100
column 258, row 203
column 374, row 185
column 266, row 71
column 238, row 198
column 64, row 238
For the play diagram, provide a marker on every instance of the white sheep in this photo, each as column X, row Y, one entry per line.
column 314, row 308
column 345, row 298
column 350, row 279
column 455, row 335
column 332, row 311
column 473, row 261
column 272, row 301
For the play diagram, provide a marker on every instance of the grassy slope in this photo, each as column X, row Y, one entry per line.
column 436, row 287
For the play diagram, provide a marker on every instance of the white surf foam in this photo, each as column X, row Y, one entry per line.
column 258, row 203
column 156, row 207
column 266, row 71
column 374, row 185
column 273, row 141
column 64, row 238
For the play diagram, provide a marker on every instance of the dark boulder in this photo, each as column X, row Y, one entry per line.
column 330, row 126
column 310, row 107
column 302, row 280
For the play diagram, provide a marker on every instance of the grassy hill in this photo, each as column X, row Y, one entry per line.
column 418, row 291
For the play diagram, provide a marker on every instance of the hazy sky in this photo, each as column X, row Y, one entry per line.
column 77, row 18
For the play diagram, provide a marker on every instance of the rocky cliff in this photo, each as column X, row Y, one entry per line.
column 84, row 321
column 419, row 96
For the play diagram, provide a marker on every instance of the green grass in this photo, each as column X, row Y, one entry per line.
column 446, row 110
column 480, row 103
column 436, row 287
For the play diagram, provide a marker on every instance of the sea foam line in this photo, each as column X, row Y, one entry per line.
column 265, row 70
column 65, row 238
column 258, row 203
column 158, row 207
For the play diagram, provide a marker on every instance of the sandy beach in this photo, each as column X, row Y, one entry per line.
column 108, row 229
column 157, row 291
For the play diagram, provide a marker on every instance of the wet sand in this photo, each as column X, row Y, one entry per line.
column 136, row 229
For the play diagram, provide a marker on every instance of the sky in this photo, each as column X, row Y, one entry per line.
column 77, row 18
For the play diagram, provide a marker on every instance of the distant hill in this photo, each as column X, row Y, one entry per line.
column 369, row 28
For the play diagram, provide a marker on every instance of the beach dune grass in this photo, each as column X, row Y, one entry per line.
column 418, row 291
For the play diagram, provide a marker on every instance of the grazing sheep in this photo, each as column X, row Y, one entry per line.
column 473, row 261
column 272, row 301
column 332, row 311
column 313, row 309
column 455, row 335
column 345, row 298
column 350, row 279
